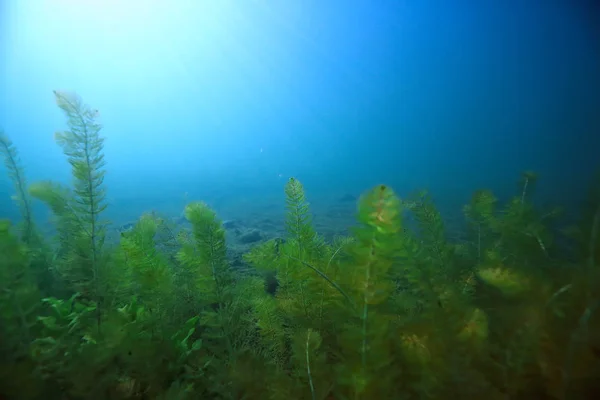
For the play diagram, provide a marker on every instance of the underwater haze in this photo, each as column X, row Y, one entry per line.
column 224, row 101
column 299, row 200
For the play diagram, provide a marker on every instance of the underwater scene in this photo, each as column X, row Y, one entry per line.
column 357, row 200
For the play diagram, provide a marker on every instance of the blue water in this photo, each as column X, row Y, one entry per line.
column 223, row 101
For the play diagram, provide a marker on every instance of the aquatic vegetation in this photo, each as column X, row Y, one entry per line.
column 395, row 310
column 16, row 174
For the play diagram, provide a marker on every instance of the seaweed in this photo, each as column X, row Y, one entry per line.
column 396, row 309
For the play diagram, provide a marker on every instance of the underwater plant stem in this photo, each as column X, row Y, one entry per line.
column 478, row 242
column 363, row 350
column 220, row 299
column 304, row 302
column 524, row 190
column 19, row 186
column 579, row 335
column 560, row 291
column 593, row 236
column 310, row 380
column 332, row 283
column 365, row 315
column 93, row 216
column 323, row 290
column 21, row 316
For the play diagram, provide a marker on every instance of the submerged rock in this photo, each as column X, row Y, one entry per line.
column 251, row 236
column 127, row 227
column 231, row 224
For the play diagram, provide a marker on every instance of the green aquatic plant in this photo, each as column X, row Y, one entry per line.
column 16, row 174
column 19, row 309
column 298, row 263
column 365, row 341
column 406, row 305
column 530, row 298
column 586, row 233
column 146, row 269
column 398, row 309
column 295, row 327
column 18, row 290
column 39, row 253
column 431, row 264
column 78, row 211
column 356, row 283
column 222, row 301
column 298, row 219
column 205, row 253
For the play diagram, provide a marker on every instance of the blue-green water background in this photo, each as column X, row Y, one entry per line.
column 224, row 100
